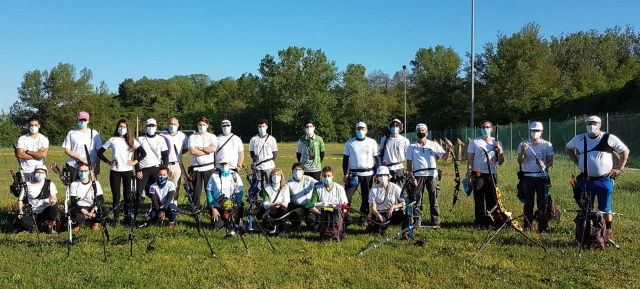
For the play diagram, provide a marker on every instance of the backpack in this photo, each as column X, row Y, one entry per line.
column 331, row 225
column 595, row 231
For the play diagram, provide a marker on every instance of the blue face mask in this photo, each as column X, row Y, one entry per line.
column 262, row 130
column 485, row 131
column 395, row 130
column 226, row 129
column 361, row 134
column 202, row 128
column 173, row 128
column 39, row 177
column 82, row 124
column 327, row 181
column 163, row 180
column 297, row 174
column 83, row 175
column 122, row 131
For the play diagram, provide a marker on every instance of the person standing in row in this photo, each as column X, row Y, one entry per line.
column 155, row 147
column 264, row 150
column 123, row 148
column 32, row 149
column 74, row 146
column 599, row 169
column 178, row 145
column 393, row 151
column 360, row 158
column 482, row 172
column 202, row 146
column 421, row 160
column 310, row 151
column 535, row 157
column 230, row 147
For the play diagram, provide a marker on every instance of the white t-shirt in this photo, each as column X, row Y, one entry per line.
column 197, row 140
column 84, row 192
column 230, row 150
column 302, row 190
column 121, row 153
column 218, row 184
column 76, row 140
column 598, row 163
column 34, row 190
column 541, row 150
column 276, row 196
column 395, row 151
column 153, row 146
column 162, row 194
column 424, row 157
column 336, row 195
column 361, row 154
column 264, row 147
column 384, row 199
column 476, row 146
column 27, row 143
column 177, row 141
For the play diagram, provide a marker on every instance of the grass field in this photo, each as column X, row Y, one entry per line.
column 181, row 258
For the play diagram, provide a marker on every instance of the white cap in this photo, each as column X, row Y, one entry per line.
column 382, row 170
column 536, row 125
column 226, row 121
column 223, row 160
column 151, row 121
column 593, row 118
column 421, row 125
column 41, row 167
column 361, row 124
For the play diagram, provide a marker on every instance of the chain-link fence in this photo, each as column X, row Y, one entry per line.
column 558, row 132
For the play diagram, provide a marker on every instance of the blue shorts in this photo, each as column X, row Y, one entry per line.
column 602, row 189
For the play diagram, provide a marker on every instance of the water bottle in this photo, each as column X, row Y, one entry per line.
column 465, row 184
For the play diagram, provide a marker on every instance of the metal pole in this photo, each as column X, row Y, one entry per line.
column 607, row 121
column 404, row 74
column 473, row 3
column 549, row 130
column 511, row 140
column 575, row 125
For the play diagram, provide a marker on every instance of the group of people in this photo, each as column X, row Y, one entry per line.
column 389, row 176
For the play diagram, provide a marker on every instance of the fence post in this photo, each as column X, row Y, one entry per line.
column 549, row 130
column 575, row 125
column 607, row 122
column 511, row 139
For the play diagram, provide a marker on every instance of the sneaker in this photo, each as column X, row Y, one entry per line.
column 437, row 226
column 95, row 226
column 610, row 234
column 51, row 230
column 281, row 235
column 172, row 224
column 405, row 236
column 418, row 223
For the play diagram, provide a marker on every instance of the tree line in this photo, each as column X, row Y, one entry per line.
column 518, row 77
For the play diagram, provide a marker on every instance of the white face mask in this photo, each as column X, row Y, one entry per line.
column 383, row 179
column 226, row 129
column 151, row 130
column 536, row 134
column 309, row 130
column 592, row 128
column 275, row 179
column 173, row 128
column 122, row 131
column 202, row 128
column 33, row 129
column 262, row 130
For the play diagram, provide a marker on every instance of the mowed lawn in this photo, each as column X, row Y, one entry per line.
column 181, row 259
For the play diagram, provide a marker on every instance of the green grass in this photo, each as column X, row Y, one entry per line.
column 181, row 258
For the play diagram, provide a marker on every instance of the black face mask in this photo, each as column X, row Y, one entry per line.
column 421, row 135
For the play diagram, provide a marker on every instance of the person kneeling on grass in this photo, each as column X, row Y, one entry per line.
column 301, row 189
column 85, row 203
column 224, row 196
column 386, row 204
column 38, row 203
column 276, row 201
column 163, row 198
column 327, row 197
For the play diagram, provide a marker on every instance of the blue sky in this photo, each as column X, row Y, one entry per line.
column 160, row 39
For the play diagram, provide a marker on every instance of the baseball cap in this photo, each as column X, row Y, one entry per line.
column 536, row 125
column 593, row 118
column 383, row 170
column 223, row 160
column 225, row 122
column 151, row 121
column 361, row 124
column 83, row 115
column 41, row 167
column 421, row 125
